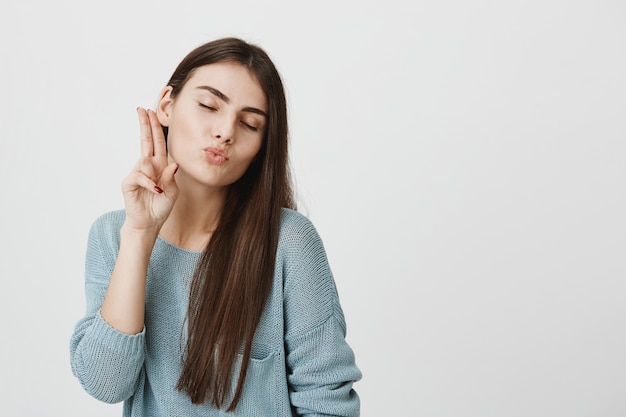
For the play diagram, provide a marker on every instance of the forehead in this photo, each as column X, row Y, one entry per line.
column 233, row 80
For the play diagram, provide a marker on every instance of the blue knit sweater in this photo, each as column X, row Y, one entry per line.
column 301, row 363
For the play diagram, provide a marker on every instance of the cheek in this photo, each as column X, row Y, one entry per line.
column 179, row 137
column 255, row 148
column 176, row 148
column 247, row 156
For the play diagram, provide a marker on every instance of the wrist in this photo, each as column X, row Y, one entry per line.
column 139, row 235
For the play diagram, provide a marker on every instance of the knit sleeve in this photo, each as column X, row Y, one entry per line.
column 321, row 364
column 106, row 362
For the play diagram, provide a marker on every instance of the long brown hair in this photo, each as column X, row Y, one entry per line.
column 235, row 272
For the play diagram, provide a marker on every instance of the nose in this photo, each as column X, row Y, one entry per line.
column 224, row 129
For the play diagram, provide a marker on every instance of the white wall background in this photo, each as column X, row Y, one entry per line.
column 464, row 162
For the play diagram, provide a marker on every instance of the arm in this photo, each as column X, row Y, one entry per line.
column 147, row 207
column 321, row 364
column 107, row 347
column 106, row 361
column 124, row 304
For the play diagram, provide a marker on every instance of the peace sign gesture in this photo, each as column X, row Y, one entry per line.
column 150, row 189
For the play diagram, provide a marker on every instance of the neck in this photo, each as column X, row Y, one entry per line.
column 194, row 218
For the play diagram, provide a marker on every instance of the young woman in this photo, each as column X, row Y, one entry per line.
column 209, row 294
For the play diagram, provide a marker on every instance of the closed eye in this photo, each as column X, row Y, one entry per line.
column 207, row 107
column 250, row 127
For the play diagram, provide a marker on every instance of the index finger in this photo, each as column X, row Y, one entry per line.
column 145, row 132
column 158, row 138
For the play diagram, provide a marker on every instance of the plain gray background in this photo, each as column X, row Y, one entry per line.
column 463, row 161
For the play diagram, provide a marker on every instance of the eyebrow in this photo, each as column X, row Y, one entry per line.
column 217, row 93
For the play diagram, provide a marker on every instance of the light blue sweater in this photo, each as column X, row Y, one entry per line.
column 301, row 363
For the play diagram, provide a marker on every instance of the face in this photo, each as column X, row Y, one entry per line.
column 216, row 124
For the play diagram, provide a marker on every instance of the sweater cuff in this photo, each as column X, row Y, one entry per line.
column 125, row 344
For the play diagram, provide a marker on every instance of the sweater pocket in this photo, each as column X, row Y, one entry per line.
column 259, row 396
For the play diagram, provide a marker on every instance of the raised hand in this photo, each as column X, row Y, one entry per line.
column 150, row 189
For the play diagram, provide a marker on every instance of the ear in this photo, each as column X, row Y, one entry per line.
column 164, row 107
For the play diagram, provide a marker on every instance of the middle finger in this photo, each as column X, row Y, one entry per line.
column 158, row 139
column 145, row 132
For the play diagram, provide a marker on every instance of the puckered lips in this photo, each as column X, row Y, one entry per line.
column 215, row 156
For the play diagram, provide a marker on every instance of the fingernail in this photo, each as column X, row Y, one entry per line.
column 158, row 189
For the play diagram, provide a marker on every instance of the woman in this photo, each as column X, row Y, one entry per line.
column 209, row 291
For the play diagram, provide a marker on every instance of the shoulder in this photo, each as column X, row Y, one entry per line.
column 105, row 229
column 290, row 216
column 299, row 236
column 103, row 245
column 112, row 217
column 109, row 222
column 296, row 227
